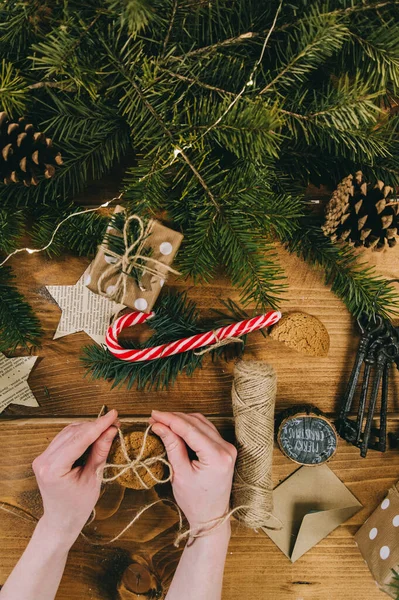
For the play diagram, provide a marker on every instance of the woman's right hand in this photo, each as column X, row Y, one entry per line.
column 201, row 487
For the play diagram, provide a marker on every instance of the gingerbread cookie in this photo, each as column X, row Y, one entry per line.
column 303, row 332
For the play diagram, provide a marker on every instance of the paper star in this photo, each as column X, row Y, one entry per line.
column 82, row 310
column 14, row 388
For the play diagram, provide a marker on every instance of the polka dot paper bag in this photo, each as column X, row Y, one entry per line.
column 133, row 261
column 378, row 541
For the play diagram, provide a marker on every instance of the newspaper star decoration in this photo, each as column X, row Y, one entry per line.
column 82, row 310
column 14, row 388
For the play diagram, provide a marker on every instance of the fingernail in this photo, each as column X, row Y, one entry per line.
column 112, row 412
column 156, row 412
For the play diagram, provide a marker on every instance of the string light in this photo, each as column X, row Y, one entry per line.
column 251, row 81
column 75, row 214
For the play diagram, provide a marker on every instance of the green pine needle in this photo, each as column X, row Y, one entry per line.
column 354, row 282
column 18, row 325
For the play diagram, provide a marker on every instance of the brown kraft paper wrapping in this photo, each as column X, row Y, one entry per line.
column 163, row 242
column 378, row 541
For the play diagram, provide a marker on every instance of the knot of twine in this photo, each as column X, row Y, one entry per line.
column 132, row 258
column 135, row 464
column 253, row 397
column 218, row 344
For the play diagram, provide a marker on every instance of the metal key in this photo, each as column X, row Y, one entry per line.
column 382, row 444
column 369, row 361
column 369, row 332
column 385, row 356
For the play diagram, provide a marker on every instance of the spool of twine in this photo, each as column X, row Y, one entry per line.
column 253, row 396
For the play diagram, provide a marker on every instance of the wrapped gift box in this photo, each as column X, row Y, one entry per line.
column 160, row 243
column 378, row 541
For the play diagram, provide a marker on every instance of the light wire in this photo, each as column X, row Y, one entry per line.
column 50, row 242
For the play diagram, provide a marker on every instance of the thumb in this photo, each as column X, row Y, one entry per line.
column 100, row 449
column 174, row 446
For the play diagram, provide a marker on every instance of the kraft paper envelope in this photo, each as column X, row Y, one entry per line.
column 311, row 503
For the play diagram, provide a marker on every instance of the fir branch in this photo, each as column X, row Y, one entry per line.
column 80, row 235
column 355, row 283
column 11, row 229
column 13, row 90
column 395, row 583
column 306, row 48
column 176, row 317
column 251, row 263
column 135, row 15
column 18, row 325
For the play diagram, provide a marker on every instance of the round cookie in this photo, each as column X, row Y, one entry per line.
column 303, row 332
column 134, row 441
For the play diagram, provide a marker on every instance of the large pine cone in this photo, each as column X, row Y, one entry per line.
column 26, row 154
column 362, row 215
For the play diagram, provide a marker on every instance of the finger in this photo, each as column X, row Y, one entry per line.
column 204, row 427
column 203, row 445
column 203, row 418
column 60, row 438
column 210, row 428
column 81, row 438
column 68, row 432
column 174, row 446
column 100, row 450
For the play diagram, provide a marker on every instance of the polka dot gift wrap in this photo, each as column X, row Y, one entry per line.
column 158, row 242
column 378, row 541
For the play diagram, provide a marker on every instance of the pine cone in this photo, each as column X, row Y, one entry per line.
column 26, row 154
column 362, row 215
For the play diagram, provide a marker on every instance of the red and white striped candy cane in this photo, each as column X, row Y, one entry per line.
column 190, row 343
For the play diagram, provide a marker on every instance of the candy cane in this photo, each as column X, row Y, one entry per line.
column 183, row 345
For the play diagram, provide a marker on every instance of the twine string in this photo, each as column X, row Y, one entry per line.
column 136, row 463
column 253, row 397
column 132, row 258
column 219, row 343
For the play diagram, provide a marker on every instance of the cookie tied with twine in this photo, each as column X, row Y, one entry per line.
column 137, row 461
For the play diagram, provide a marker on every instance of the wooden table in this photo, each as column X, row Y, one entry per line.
column 145, row 557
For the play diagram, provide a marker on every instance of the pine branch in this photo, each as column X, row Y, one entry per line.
column 306, row 48
column 135, row 15
column 13, row 90
column 80, row 235
column 176, row 317
column 11, row 229
column 354, row 283
column 395, row 583
column 18, row 325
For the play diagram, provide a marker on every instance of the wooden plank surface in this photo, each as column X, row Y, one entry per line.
column 255, row 569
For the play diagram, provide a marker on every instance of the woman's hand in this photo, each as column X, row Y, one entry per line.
column 201, row 487
column 70, row 494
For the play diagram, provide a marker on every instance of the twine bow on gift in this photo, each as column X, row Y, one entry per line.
column 132, row 258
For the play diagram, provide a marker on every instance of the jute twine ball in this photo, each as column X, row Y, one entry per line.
column 134, row 442
column 302, row 332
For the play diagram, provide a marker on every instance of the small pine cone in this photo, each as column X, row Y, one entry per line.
column 361, row 214
column 26, row 154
